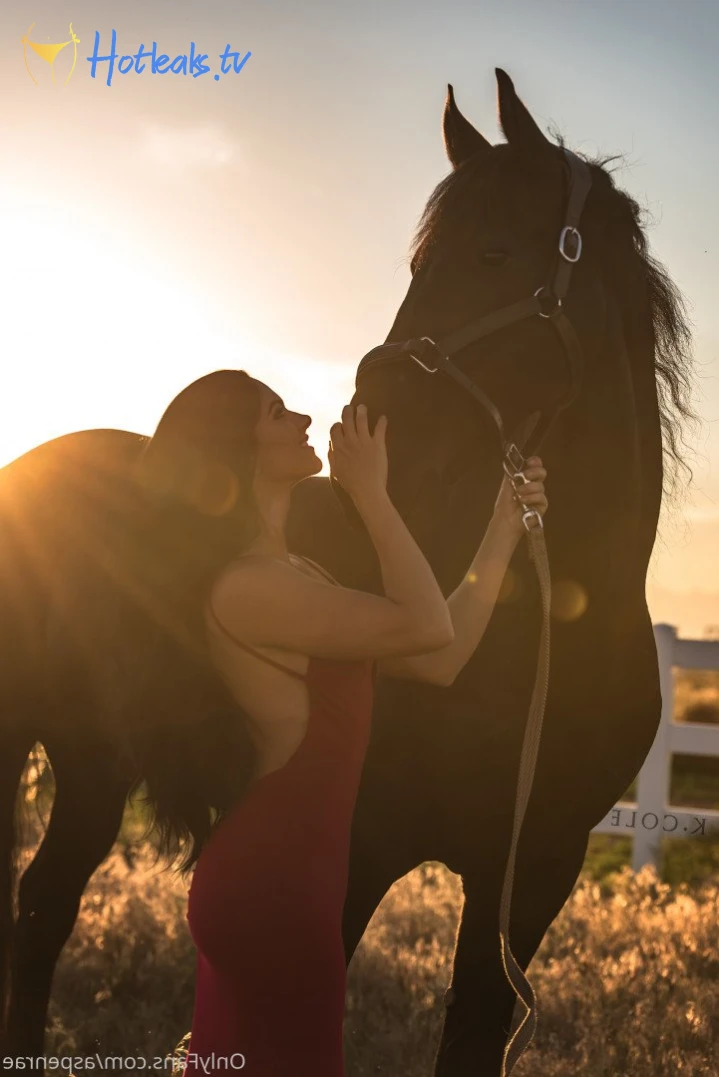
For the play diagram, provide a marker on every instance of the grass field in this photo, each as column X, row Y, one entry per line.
column 626, row 977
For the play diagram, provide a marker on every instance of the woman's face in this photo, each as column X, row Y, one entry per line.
column 283, row 450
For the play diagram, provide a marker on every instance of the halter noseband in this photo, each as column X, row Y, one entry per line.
column 433, row 356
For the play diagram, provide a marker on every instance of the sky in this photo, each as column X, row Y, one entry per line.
column 163, row 226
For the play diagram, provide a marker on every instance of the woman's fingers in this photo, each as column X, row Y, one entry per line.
column 535, row 472
column 361, row 422
column 532, row 493
column 534, row 469
column 348, row 423
column 336, row 434
column 380, row 428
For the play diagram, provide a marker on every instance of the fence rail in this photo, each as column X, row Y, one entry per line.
column 652, row 817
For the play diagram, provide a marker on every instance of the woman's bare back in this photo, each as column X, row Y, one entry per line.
column 277, row 703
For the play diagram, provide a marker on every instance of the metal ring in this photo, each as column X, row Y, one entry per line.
column 429, row 369
column 562, row 240
column 557, row 300
column 511, row 453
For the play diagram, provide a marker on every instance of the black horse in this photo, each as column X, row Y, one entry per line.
column 440, row 777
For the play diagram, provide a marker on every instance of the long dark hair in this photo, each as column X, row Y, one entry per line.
column 196, row 511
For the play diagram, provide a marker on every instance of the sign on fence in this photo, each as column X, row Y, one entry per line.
column 652, row 817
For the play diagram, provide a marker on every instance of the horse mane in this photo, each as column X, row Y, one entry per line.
column 493, row 179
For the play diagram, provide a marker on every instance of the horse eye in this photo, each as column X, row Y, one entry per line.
column 494, row 258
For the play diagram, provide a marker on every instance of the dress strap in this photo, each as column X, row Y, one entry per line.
column 319, row 568
column 307, row 560
column 251, row 650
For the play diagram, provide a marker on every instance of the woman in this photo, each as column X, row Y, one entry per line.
column 297, row 652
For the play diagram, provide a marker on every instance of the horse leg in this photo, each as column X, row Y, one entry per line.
column 370, row 877
column 86, row 816
column 16, row 747
column 480, row 1002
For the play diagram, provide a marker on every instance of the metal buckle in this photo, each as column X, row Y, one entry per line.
column 531, row 512
column 513, row 459
column 556, row 299
column 513, row 463
column 562, row 240
column 429, row 369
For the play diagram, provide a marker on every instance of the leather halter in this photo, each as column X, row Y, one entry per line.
column 547, row 301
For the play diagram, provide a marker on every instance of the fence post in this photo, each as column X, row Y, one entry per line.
column 654, row 778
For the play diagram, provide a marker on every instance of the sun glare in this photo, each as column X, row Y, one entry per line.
column 98, row 336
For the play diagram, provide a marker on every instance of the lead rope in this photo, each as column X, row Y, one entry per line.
column 524, row 1034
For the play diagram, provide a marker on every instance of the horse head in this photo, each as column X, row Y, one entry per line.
column 488, row 238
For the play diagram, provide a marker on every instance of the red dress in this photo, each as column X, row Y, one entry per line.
column 267, row 895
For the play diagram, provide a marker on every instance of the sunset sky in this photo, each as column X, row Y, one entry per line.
column 166, row 226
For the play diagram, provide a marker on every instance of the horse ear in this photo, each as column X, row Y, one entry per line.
column 515, row 119
column 461, row 139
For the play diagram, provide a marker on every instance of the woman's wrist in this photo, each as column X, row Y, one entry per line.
column 505, row 532
column 368, row 500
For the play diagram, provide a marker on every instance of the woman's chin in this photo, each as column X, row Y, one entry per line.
column 313, row 464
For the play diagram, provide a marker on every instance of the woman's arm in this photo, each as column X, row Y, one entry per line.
column 266, row 602
column 470, row 607
column 472, row 603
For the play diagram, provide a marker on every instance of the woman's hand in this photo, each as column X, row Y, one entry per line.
column 507, row 509
column 358, row 459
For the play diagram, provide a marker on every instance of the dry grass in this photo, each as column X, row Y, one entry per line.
column 625, row 978
column 696, row 695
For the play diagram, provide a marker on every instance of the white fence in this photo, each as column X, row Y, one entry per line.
column 652, row 817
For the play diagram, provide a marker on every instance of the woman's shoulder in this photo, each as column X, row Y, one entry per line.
column 248, row 564
column 318, row 568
